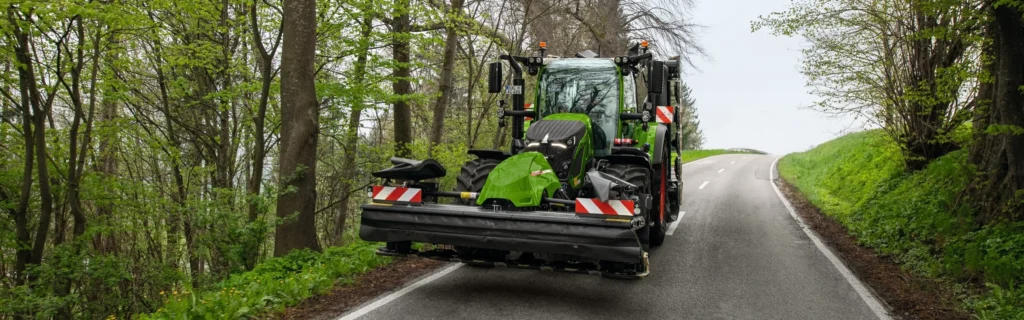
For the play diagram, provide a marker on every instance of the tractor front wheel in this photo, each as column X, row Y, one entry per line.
column 639, row 176
column 472, row 177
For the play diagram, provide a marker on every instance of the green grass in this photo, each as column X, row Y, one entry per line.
column 918, row 218
column 274, row 284
column 694, row 155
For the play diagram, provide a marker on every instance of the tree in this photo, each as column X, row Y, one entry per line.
column 267, row 74
column 401, row 26
column 998, row 150
column 691, row 134
column 299, row 127
column 447, row 69
column 905, row 65
column 351, row 145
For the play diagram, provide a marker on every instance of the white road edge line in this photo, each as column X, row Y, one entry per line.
column 398, row 294
column 675, row 224
column 734, row 162
column 702, row 185
column 720, row 171
column 862, row 290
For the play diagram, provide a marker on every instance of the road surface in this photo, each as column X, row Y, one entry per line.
column 736, row 253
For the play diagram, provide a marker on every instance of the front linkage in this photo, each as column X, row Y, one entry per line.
column 584, row 235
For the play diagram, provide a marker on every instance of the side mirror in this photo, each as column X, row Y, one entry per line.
column 494, row 78
column 656, row 77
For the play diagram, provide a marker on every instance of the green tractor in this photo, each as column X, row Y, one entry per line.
column 589, row 187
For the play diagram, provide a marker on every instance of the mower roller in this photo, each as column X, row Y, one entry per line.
column 589, row 184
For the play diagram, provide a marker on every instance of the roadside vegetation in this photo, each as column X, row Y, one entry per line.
column 274, row 284
column 920, row 218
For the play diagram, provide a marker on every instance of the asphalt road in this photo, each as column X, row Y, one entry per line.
column 737, row 253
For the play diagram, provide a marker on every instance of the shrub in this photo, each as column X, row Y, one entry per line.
column 273, row 285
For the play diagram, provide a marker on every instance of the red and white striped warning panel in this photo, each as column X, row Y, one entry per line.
column 664, row 114
column 612, row 207
column 528, row 107
column 396, row 194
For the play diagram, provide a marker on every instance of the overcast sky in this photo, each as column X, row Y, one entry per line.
column 749, row 92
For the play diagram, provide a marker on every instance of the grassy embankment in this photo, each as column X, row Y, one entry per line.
column 919, row 218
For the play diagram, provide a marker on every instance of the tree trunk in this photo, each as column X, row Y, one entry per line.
column 108, row 169
column 24, row 254
column 999, row 153
column 40, row 109
column 401, row 85
column 299, row 130
column 259, row 150
column 447, row 69
column 352, row 133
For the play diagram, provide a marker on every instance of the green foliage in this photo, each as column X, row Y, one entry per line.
column 905, row 65
column 918, row 218
column 273, row 285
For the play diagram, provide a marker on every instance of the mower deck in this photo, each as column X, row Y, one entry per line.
column 610, row 239
column 620, row 271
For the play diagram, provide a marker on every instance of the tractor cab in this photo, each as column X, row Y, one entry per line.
column 592, row 87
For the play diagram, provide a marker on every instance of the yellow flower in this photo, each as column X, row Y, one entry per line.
column 161, row 293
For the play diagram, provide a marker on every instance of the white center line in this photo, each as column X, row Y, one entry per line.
column 702, row 185
column 675, row 224
column 720, row 171
column 734, row 162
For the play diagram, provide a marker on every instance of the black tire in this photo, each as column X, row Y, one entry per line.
column 673, row 210
column 472, row 177
column 637, row 175
column 661, row 201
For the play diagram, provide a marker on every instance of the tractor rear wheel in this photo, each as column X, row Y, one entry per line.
column 661, row 202
column 673, row 209
column 639, row 176
column 472, row 177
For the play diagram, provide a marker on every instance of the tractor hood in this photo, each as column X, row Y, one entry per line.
column 521, row 180
column 565, row 140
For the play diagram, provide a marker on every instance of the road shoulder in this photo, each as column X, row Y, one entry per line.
column 366, row 287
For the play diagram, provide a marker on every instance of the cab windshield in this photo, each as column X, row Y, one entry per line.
column 588, row 86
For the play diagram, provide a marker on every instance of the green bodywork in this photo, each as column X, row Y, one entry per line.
column 522, row 179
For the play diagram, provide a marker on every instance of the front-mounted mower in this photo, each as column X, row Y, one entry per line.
column 590, row 187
